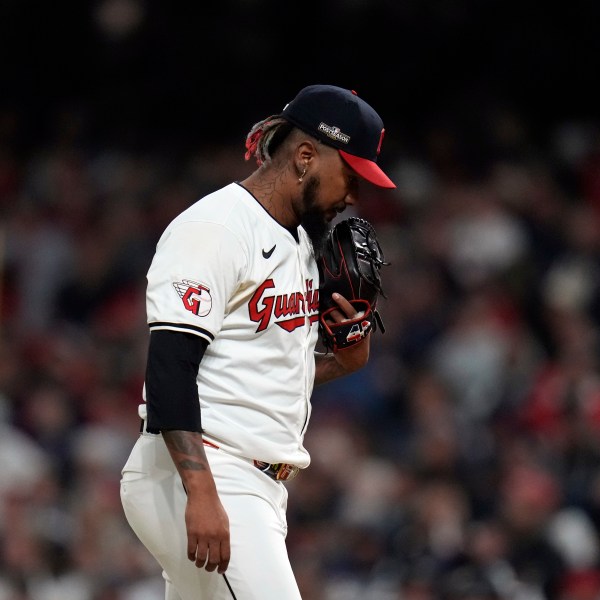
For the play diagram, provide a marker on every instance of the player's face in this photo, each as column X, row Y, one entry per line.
column 338, row 184
column 325, row 196
column 327, row 192
column 313, row 220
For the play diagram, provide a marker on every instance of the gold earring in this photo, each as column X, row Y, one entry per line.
column 302, row 176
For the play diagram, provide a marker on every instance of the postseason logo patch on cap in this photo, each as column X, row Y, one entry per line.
column 334, row 133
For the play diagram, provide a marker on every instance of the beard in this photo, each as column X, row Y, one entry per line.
column 313, row 221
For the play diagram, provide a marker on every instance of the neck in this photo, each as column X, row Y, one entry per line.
column 273, row 190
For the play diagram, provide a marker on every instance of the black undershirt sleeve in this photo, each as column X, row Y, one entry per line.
column 171, row 391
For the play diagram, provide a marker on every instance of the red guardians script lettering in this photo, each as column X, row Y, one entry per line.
column 289, row 310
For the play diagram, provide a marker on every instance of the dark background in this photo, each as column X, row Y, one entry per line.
column 188, row 72
column 464, row 459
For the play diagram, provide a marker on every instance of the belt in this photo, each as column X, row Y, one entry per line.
column 276, row 471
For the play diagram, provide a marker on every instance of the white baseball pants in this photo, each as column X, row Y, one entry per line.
column 154, row 503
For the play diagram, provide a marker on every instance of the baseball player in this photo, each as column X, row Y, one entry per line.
column 233, row 306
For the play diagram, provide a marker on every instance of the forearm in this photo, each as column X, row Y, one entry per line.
column 206, row 521
column 187, row 451
column 327, row 368
column 345, row 360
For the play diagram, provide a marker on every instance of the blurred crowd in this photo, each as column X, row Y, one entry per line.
column 463, row 463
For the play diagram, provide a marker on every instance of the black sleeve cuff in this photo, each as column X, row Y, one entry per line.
column 171, row 390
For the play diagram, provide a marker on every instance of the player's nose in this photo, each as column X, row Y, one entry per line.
column 352, row 192
column 351, row 197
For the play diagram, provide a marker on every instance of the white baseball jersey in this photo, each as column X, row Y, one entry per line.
column 225, row 270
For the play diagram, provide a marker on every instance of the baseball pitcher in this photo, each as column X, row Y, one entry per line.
column 235, row 309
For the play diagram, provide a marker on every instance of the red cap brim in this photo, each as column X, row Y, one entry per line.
column 368, row 170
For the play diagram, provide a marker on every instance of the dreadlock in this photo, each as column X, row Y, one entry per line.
column 265, row 137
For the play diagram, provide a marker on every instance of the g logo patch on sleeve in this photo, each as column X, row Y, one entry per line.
column 195, row 296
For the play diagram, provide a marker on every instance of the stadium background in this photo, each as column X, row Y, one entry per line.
column 463, row 462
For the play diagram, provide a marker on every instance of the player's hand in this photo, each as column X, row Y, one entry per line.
column 356, row 356
column 207, row 528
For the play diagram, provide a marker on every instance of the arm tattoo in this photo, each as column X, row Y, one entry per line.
column 191, row 465
column 188, row 447
column 184, row 442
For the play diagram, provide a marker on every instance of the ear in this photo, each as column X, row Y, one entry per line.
column 306, row 152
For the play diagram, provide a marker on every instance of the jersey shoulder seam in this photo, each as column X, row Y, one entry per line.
column 223, row 225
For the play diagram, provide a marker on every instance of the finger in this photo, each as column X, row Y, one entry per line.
column 336, row 316
column 225, row 556
column 192, row 545
column 201, row 555
column 201, row 559
column 347, row 308
column 214, row 556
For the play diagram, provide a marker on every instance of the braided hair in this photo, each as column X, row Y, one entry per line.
column 265, row 137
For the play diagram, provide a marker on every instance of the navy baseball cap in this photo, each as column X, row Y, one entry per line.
column 339, row 118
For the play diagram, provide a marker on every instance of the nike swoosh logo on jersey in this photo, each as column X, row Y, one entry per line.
column 268, row 254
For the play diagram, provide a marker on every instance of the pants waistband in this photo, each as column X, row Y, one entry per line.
column 276, row 471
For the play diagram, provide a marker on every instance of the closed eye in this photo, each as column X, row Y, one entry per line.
column 352, row 180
